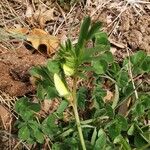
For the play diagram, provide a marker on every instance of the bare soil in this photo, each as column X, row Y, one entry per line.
column 14, row 71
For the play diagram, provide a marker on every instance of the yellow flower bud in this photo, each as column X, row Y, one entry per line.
column 60, row 86
column 68, row 70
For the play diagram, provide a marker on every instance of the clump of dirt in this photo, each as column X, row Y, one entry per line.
column 14, row 71
column 137, row 32
column 127, row 28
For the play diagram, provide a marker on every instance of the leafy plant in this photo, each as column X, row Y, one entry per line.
column 100, row 124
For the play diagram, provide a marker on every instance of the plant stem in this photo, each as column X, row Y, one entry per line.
column 76, row 114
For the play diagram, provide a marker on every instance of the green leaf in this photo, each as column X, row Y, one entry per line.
column 109, row 111
column 34, row 107
column 30, row 141
column 145, row 65
column 138, row 57
column 100, row 66
column 108, row 57
column 20, row 124
column 81, row 97
column 34, row 71
column 42, row 73
column 89, row 52
column 114, row 130
column 122, row 122
column 24, row 133
column 114, row 69
column 63, row 105
column 131, row 130
column 119, row 139
column 36, row 132
column 71, row 143
column 139, row 109
column 22, row 107
column 34, row 125
column 51, row 92
column 53, row 66
column 100, row 112
column 49, row 126
column 26, row 109
column 83, row 33
column 39, row 136
column 40, row 92
column 94, row 135
column 101, row 38
column 94, row 28
column 51, row 120
column 27, row 115
column 98, row 94
column 137, row 60
column 145, row 101
column 139, row 141
column 21, row 104
column 122, row 79
column 101, row 141
column 58, row 146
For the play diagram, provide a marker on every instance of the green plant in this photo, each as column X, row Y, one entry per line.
column 100, row 124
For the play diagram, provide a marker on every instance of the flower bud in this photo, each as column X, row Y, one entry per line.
column 68, row 70
column 60, row 86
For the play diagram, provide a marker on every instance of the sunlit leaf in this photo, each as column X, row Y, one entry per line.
column 100, row 66
column 24, row 133
column 101, row 141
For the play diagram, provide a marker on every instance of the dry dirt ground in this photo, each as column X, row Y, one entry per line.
column 126, row 22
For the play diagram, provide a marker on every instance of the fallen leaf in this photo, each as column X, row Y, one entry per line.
column 46, row 16
column 42, row 41
column 109, row 96
column 113, row 50
column 29, row 11
column 42, row 16
column 19, row 30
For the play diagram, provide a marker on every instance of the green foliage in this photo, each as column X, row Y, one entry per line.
column 104, row 126
column 29, row 128
column 81, row 97
column 101, row 140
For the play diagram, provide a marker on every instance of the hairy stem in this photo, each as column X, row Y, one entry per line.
column 76, row 114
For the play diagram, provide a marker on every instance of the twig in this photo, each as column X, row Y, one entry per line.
column 131, row 75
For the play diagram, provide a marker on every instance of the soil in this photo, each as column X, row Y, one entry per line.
column 131, row 30
column 137, row 32
column 14, row 71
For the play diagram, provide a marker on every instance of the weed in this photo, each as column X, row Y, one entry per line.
column 100, row 124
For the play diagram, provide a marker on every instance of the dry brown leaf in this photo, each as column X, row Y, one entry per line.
column 46, row 16
column 41, row 40
column 21, row 31
column 43, row 15
column 109, row 96
column 113, row 50
column 29, row 11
